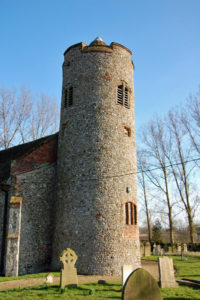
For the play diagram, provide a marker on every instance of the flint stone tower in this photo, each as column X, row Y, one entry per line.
column 96, row 209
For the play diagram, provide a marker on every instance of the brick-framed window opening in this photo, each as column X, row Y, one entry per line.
column 123, row 95
column 68, row 97
column 130, row 213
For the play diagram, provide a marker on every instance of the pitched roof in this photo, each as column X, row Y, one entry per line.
column 6, row 156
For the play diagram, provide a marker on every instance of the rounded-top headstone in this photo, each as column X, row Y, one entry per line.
column 141, row 285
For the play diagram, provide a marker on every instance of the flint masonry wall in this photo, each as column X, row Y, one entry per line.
column 37, row 219
column 34, row 179
column 94, row 155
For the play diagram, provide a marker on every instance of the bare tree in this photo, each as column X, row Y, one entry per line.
column 141, row 165
column 156, row 144
column 180, row 169
column 191, row 119
column 44, row 117
column 22, row 119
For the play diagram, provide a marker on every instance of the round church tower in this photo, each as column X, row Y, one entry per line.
column 96, row 206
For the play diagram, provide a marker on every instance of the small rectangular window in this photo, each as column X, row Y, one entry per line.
column 65, row 98
column 70, row 102
column 120, row 94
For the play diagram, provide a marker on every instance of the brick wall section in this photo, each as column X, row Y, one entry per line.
column 2, row 206
column 94, row 155
column 46, row 153
column 35, row 177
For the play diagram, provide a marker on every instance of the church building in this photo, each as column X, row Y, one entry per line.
column 77, row 188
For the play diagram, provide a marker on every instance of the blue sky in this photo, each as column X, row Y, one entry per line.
column 164, row 37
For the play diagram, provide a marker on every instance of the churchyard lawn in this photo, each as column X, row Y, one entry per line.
column 90, row 291
column 189, row 268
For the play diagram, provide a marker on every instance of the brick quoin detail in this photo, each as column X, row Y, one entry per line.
column 46, row 153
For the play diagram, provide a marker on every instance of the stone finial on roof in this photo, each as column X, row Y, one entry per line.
column 98, row 42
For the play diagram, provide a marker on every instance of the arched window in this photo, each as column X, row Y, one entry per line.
column 68, row 97
column 130, row 213
column 123, row 95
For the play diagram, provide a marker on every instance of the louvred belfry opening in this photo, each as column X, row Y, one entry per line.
column 126, row 102
column 120, row 94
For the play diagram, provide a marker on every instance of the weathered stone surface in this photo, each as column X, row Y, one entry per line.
column 166, row 272
column 96, row 163
column 68, row 275
column 37, row 218
column 140, row 285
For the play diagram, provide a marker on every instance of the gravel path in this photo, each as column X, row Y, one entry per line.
column 150, row 266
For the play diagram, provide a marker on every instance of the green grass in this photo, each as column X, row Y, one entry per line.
column 83, row 291
column 38, row 275
column 188, row 268
column 180, row 293
column 111, row 290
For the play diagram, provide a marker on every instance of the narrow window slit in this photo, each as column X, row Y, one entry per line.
column 70, row 96
column 65, row 98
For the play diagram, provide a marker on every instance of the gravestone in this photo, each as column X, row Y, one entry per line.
column 162, row 251
column 158, row 248
column 185, row 248
column 126, row 271
column 140, row 285
column 169, row 249
column 142, row 250
column 49, row 278
column 179, row 248
column 68, row 275
column 166, row 272
column 147, row 249
column 154, row 249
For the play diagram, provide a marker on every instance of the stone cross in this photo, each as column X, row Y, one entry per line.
column 68, row 274
column 166, row 272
